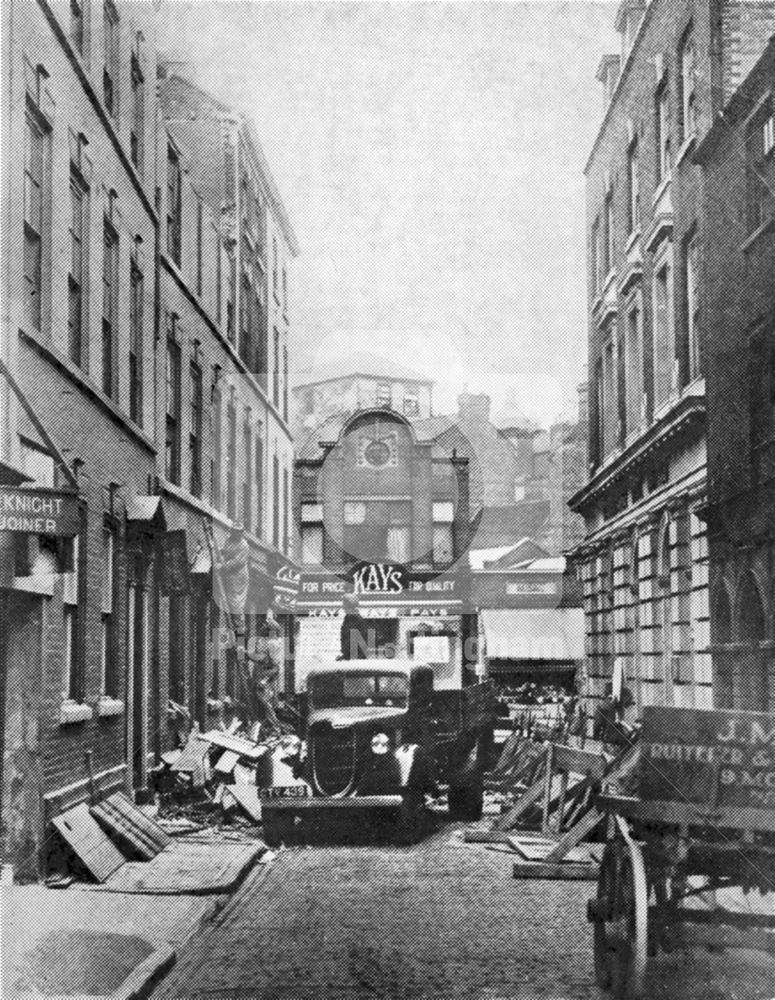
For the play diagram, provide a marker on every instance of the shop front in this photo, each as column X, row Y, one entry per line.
column 408, row 614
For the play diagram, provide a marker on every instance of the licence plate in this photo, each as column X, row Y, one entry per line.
column 285, row 792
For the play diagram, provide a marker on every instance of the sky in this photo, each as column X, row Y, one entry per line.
column 430, row 156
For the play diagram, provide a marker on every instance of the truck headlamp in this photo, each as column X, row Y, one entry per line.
column 380, row 743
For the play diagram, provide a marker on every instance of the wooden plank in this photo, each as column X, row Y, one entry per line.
column 548, row 786
column 90, row 843
column 575, row 835
column 656, row 811
column 149, row 827
column 541, row 850
column 193, row 754
column 564, row 871
column 577, row 761
column 530, row 798
column 113, row 822
column 237, row 744
column 227, row 760
column 187, row 869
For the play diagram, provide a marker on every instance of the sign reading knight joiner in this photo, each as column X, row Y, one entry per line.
column 38, row 511
column 714, row 758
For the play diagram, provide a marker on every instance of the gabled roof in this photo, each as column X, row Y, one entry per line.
column 430, row 428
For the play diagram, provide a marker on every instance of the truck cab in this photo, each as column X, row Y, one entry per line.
column 379, row 736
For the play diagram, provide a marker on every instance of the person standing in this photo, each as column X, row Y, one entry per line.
column 355, row 631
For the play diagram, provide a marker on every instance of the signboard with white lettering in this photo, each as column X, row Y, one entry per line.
column 385, row 590
column 38, row 511
column 708, row 757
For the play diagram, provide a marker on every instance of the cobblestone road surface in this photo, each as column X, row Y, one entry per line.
column 442, row 920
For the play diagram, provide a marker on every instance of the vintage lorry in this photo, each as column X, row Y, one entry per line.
column 378, row 739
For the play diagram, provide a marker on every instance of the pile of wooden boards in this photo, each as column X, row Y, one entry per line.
column 124, row 850
column 555, row 810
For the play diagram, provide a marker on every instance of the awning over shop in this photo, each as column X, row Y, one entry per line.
column 147, row 512
column 534, row 635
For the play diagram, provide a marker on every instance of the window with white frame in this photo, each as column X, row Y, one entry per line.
column 760, row 167
column 664, row 344
column 109, row 655
column 79, row 241
column 384, row 394
column 35, row 168
column 663, row 137
column 311, row 534
column 136, row 342
column 691, row 270
column 109, row 308
column 411, row 401
column 443, row 532
column 633, row 185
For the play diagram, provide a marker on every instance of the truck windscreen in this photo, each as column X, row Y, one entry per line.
column 335, row 690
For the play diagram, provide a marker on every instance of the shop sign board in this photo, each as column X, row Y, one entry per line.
column 517, row 587
column 709, row 757
column 386, row 590
column 39, row 511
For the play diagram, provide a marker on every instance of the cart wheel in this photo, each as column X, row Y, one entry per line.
column 603, row 911
column 621, row 921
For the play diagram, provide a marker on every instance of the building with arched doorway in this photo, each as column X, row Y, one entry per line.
column 738, row 162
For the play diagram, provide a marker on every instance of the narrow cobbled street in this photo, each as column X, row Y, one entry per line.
column 440, row 920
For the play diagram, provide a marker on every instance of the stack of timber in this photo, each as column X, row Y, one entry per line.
column 555, row 811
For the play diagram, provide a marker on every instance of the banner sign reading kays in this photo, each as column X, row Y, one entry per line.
column 38, row 511
column 384, row 589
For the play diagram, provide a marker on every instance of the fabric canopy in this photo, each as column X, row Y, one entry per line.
column 546, row 635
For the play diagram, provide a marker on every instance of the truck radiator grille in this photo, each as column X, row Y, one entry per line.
column 333, row 760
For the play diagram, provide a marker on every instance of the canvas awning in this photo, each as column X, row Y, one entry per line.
column 147, row 512
column 534, row 635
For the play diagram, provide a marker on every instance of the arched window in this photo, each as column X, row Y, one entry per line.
column 753, row 665
column 723, row 662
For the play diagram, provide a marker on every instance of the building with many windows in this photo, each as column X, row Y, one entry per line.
column 226, row 250
column 143, row 394
column 79, row 596
column 385, row 514
column 738, row 291
column 644, row 557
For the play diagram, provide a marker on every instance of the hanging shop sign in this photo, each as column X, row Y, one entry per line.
column 39, row 511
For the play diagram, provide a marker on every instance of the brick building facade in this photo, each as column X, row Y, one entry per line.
column 384, row 514
column 738, row 289
column 644, row 558
column 101, row 279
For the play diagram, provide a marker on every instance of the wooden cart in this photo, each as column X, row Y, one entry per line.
column 702, row 821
